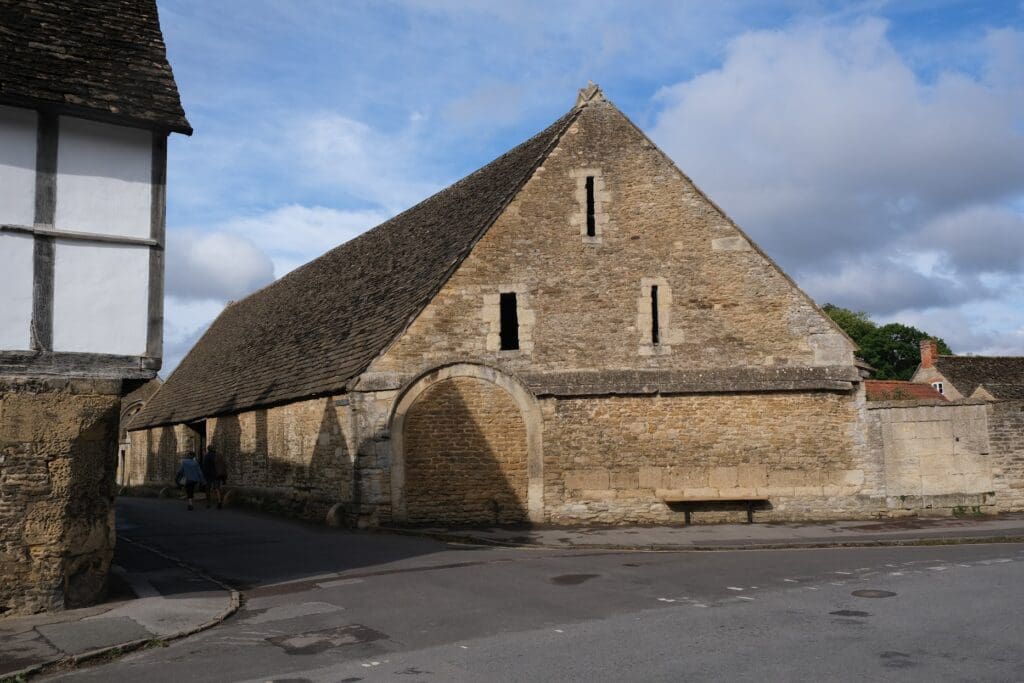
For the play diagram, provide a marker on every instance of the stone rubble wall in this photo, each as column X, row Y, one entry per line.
column 1006, row 438
column 58, row 457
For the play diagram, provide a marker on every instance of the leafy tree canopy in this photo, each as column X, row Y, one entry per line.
column 892, row 349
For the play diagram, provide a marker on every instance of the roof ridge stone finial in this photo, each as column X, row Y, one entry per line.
column 591, row 93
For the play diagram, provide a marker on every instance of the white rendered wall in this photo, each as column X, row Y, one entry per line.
column 15, row 291
column 17, row 166
column 103, row 178
column 100, row 298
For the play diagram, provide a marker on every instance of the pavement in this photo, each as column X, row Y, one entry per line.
column 1006, row 528
column 152, row 599
column 159, row 598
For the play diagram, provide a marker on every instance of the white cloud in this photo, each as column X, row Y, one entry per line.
column 883, row 285
column 214, row 265
column 976, row 239
column 821, row 138
column 877, row 189
column 366, row 163
column 294, row 234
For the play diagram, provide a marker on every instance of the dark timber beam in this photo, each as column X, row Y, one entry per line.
column 45, row 208
column 157, row 225
column 95, row 365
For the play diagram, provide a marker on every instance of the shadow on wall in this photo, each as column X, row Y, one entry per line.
column 89, row 510
column 162, row 461
column 465, row 455
column 286, row 460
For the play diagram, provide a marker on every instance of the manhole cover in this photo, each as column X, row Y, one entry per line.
column 872, row 593
column 850, row 613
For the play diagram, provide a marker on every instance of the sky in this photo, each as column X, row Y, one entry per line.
column 875, row 150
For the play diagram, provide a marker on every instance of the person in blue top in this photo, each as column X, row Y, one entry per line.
column 189, row 473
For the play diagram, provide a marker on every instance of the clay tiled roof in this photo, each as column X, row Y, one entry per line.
column 316, row 328
column 967, row 372
column 104, row 57
column 893, row 390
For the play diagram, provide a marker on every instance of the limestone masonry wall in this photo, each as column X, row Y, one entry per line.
column 58, row 450
column 607, row 459
column 465, row 455
column 936, row 454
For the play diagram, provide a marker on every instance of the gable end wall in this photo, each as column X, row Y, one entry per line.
column 730, row 307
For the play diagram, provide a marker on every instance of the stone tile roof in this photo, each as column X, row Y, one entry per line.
column 103, row 57
column 318, row 327
column 894, row 390
column 1002, row 392
column 967, row 372
column 142, row 391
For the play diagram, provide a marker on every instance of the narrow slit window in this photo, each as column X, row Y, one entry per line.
column 654, row 315
column 591, row 222
column 509, row 322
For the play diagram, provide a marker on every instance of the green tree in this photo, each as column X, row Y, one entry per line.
column 857, row 324
column 893, row 349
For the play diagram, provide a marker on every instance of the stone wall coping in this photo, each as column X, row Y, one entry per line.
column 922, row 403
column 704, row 380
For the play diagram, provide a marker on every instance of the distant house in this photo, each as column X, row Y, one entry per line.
column 988, row 377
column 87, row 102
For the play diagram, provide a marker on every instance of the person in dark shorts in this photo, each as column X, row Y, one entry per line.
column 215, row 474
column 190, row 474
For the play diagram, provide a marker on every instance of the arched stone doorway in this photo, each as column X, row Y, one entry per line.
column 466, row 449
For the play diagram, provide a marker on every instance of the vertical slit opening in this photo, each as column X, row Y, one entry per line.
column 591, row 223
column 509, row 322
column 654, row 315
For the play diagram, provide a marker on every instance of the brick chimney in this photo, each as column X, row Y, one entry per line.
column 929, row 350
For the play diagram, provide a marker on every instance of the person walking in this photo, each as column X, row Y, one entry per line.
column 215, row 474
column 189, row 473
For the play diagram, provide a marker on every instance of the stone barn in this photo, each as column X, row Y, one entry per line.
column 572, row 334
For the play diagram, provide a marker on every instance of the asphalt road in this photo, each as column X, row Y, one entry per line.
column 329, row 605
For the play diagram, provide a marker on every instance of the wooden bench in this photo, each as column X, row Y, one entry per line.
column 680, row 498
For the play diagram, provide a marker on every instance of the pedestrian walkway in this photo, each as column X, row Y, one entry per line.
column 159, row 599
column 905, row 531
